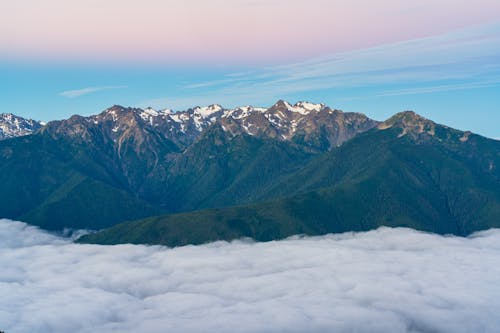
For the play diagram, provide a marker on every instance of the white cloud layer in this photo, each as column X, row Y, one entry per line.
column 388, row 280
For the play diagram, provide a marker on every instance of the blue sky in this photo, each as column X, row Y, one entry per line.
column 452, row 78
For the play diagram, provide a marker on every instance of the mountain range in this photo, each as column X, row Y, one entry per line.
column 211, row 173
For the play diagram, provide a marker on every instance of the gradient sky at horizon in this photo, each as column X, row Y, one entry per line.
column 440, row 58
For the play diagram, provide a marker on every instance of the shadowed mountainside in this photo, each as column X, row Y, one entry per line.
column 408, row 172
column 127, row 163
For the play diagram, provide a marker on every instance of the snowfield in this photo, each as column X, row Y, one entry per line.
column 388, row 280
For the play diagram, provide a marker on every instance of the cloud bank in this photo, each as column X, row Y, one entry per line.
column 388, row 280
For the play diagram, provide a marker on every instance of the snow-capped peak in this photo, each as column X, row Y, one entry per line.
column 242, row 111
column 207, row 111
column 304, row 107
column 12, row 126
column 152, row 112
column 155, row 113
column 310, row 106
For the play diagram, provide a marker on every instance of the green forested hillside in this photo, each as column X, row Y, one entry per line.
column 431, row 178
column 56, row 184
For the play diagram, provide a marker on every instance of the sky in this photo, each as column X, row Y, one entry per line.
column 440, row 58
column 386, row 280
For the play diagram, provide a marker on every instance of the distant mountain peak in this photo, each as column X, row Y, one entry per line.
column 207, row 111
column 155, row 113
column 310, row 106
column 314, row 125
column 301, row 107
column 116, row 107
column 408, row 116
column 12, row 126
column 410, row 123
column 280, row 103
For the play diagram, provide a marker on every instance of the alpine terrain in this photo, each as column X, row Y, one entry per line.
column 210, row 173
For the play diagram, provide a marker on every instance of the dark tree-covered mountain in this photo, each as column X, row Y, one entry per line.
column 408, row 171
column 127, row 163
column 211, row 173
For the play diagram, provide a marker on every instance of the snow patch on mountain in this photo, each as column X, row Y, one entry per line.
column 207, row 111
column 304, row 108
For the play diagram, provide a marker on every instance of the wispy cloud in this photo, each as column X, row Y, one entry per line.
column 464, row 58
column 427, row 90
column 88, row 90
column 208, row 84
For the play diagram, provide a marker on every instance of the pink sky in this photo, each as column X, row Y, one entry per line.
column 221, row 31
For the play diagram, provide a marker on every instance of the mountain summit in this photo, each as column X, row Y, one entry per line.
column 410, row 123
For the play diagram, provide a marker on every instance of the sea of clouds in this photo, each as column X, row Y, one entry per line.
column 387, row 280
